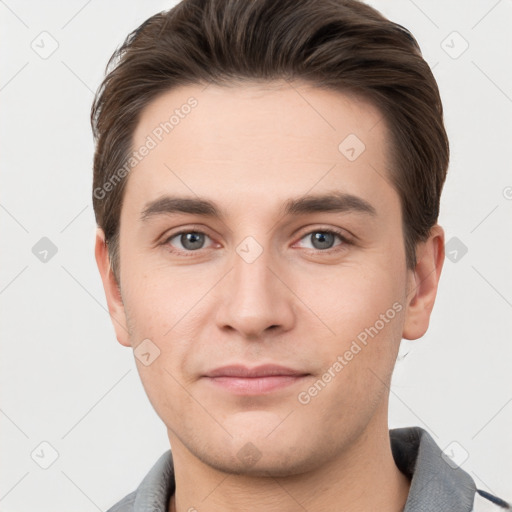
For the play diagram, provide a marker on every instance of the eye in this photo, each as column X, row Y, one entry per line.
column 324, row 239
column 189, row 240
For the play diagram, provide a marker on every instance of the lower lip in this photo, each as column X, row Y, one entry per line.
column 255, row 385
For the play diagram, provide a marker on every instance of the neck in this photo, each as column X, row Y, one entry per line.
column 362, row 478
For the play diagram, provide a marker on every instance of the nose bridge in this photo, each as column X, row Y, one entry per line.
column 255, row 298
column 252, row 275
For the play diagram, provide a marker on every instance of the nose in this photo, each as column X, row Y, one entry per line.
column 255, row 300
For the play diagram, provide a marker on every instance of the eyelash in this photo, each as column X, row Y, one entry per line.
column 345, row 241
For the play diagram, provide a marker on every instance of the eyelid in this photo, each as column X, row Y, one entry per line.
column 343, row 233
column 192, row 228
column 345, row 238
column 165, row 240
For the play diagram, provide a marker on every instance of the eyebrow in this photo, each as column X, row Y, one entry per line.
column 332, row 202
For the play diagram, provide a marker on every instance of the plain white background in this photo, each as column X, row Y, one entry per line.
column 66, row 381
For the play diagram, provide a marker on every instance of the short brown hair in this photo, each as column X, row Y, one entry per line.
column 343, row 45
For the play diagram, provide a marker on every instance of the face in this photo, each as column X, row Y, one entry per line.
column 260, row 228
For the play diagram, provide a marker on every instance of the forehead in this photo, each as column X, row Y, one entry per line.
column 247, row 140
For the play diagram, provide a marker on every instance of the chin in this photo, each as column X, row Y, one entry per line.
column 255, row 452
column 251, row 462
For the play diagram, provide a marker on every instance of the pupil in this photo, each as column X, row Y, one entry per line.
column 190, row 240
column 322, row 240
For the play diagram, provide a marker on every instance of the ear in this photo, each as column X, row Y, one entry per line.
column 422, row 284
column 112, row 291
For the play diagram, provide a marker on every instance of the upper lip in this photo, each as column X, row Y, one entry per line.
column 265, row 370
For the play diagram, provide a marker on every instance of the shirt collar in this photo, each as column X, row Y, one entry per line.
column 436, row 482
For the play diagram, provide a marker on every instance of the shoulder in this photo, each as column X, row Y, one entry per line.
column 154, row 491
column 437, row 481
column 125, row 505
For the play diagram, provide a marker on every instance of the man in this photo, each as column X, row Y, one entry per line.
column 267, row 179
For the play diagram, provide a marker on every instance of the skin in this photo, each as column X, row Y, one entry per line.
column 250, row 148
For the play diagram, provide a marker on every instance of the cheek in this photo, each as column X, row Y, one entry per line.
column 158, row 312
column 168, row 309
column 363, row 308
column 168, row 394
column 350, row 299
column 365, row 315
column 156, row 301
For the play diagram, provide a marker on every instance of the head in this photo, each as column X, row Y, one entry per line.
column 267, row 180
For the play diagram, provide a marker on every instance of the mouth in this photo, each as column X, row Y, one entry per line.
column 241, row 380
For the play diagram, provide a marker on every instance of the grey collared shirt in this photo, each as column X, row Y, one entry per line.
column 437, row 483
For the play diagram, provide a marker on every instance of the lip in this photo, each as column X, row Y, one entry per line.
column 241, row 380
column 266, row 370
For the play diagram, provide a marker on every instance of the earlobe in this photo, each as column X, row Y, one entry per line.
column 422, row 284
column 111, row 288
